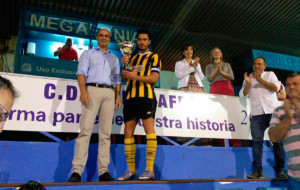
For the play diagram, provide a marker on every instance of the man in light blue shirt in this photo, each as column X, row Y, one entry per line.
column 99, row 81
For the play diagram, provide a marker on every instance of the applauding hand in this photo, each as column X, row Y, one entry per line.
column 248, row 79
column 197, row 60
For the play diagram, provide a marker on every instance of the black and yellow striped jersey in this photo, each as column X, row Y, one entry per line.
column 150, row 63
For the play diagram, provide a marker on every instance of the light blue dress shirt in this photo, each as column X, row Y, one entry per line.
column 99, row 67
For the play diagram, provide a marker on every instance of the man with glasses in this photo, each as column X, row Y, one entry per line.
column 7, row 96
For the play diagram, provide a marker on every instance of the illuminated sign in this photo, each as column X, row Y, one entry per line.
column 69, row 27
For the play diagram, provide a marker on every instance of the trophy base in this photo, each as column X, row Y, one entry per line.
column 127, row 68
column 135, row 68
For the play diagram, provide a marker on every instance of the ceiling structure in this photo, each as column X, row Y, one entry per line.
column 236, row 26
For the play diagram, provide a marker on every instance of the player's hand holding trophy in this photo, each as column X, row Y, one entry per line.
column 126, row 47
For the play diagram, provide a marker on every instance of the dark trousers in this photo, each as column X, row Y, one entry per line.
column 258, row 125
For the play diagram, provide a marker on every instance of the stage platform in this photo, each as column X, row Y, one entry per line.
column 199, row 184
column 176, row 167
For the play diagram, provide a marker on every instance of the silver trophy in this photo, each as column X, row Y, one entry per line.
column 126, row 47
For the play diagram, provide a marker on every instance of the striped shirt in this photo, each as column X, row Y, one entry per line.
column 291, row 141
column 149, row 62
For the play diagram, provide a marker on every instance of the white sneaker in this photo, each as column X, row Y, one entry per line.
column 127, row 176
column 147, row 175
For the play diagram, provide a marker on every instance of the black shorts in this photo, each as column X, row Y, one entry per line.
column 140, row 108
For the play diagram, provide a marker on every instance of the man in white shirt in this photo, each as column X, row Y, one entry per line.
column 261, row 87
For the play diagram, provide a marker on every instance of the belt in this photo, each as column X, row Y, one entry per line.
column 99, row 85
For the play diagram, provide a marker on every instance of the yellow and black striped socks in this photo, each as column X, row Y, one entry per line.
column 151, row 150
column 130, row 150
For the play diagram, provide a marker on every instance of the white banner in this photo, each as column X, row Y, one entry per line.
column 52, row 105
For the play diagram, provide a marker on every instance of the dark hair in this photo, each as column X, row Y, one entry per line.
column 6, row 84
column 69, row 40
column 142, row 31
column 292, row 75
column 185, row 48
column 32, row 185
column 262, row 59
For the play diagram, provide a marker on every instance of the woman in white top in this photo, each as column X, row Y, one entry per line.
column 188, row 71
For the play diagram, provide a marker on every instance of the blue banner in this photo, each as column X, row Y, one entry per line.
column 31, row 65
column 279, row 61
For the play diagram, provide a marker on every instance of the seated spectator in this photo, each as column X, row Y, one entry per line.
column 67, row 52
column 7, row 96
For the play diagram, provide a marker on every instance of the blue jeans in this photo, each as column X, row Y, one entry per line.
column 258, row 125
